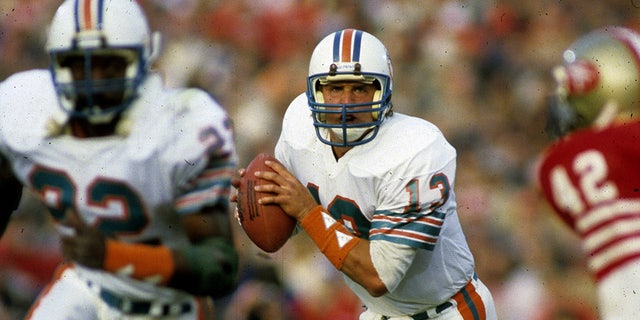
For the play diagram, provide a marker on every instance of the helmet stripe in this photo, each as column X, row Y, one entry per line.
column 76, row 16
column 629, row 40
column 356, row 46
column 346, row 45
column 347, row 36
column 88, row 14
column 336, row 46
column 100, row 12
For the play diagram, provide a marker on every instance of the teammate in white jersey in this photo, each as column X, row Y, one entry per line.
column 375, row 189
column 136, row 177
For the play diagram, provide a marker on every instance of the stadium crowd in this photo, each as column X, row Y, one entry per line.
column 480, row 70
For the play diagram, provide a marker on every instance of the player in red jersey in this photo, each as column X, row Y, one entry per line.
column 591, row 175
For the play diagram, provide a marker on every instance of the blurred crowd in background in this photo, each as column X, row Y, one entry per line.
column 478, row 69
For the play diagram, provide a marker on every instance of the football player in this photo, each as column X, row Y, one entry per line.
column 136, row 177
column 591, row 176
column 374, row 189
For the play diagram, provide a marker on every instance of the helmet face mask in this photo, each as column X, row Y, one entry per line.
column 349, row 56
column 97, row 98
column 100, row 54
column 561, row 117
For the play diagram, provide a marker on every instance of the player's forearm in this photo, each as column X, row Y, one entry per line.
column 359, row 267
column 207, row 268
column 348, row 253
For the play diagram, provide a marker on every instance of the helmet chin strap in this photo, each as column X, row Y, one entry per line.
column 353, row 134
column 99, row 119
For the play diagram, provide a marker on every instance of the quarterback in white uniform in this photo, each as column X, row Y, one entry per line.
column 136, row 177
column 374, row 189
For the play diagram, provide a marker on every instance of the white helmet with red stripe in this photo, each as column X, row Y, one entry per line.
column 349, row 55
column 599, row 68
column 86, row 29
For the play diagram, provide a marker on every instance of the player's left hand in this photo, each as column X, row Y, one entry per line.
column 235, row 183
column 290, row 194
column 86, row 245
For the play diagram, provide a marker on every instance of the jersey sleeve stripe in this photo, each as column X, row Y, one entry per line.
column 419, row 231
column 196, row 200
column 415, row 226
column 211, row 188
column 417, row 219
column 626, row 225
column 607, row 260
column 214, row 176
column 407, row 234
column 600, row 215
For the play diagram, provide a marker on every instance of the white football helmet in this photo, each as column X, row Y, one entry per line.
column 86, row 29
column 349, row 55
column 600, row 68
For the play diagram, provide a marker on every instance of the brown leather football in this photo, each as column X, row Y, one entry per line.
column 268, row 226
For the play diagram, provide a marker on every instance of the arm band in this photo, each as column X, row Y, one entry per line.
column 149, row 263
column 331, row 236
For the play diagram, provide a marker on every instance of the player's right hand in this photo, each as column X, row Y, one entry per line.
column 86, row 245
column 286, row 191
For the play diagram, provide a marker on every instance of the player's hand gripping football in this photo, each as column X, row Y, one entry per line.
column 293, row 197
column 83, row 244
column 290, row 194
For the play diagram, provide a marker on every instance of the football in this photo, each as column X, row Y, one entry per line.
column 268, row 226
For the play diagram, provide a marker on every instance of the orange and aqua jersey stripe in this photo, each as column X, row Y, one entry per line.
column 212, row 187
column 469, row 303
column 88, row 14
column 347, row 45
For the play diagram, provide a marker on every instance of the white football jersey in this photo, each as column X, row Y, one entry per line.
column 396, row 190
column 178, row 157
